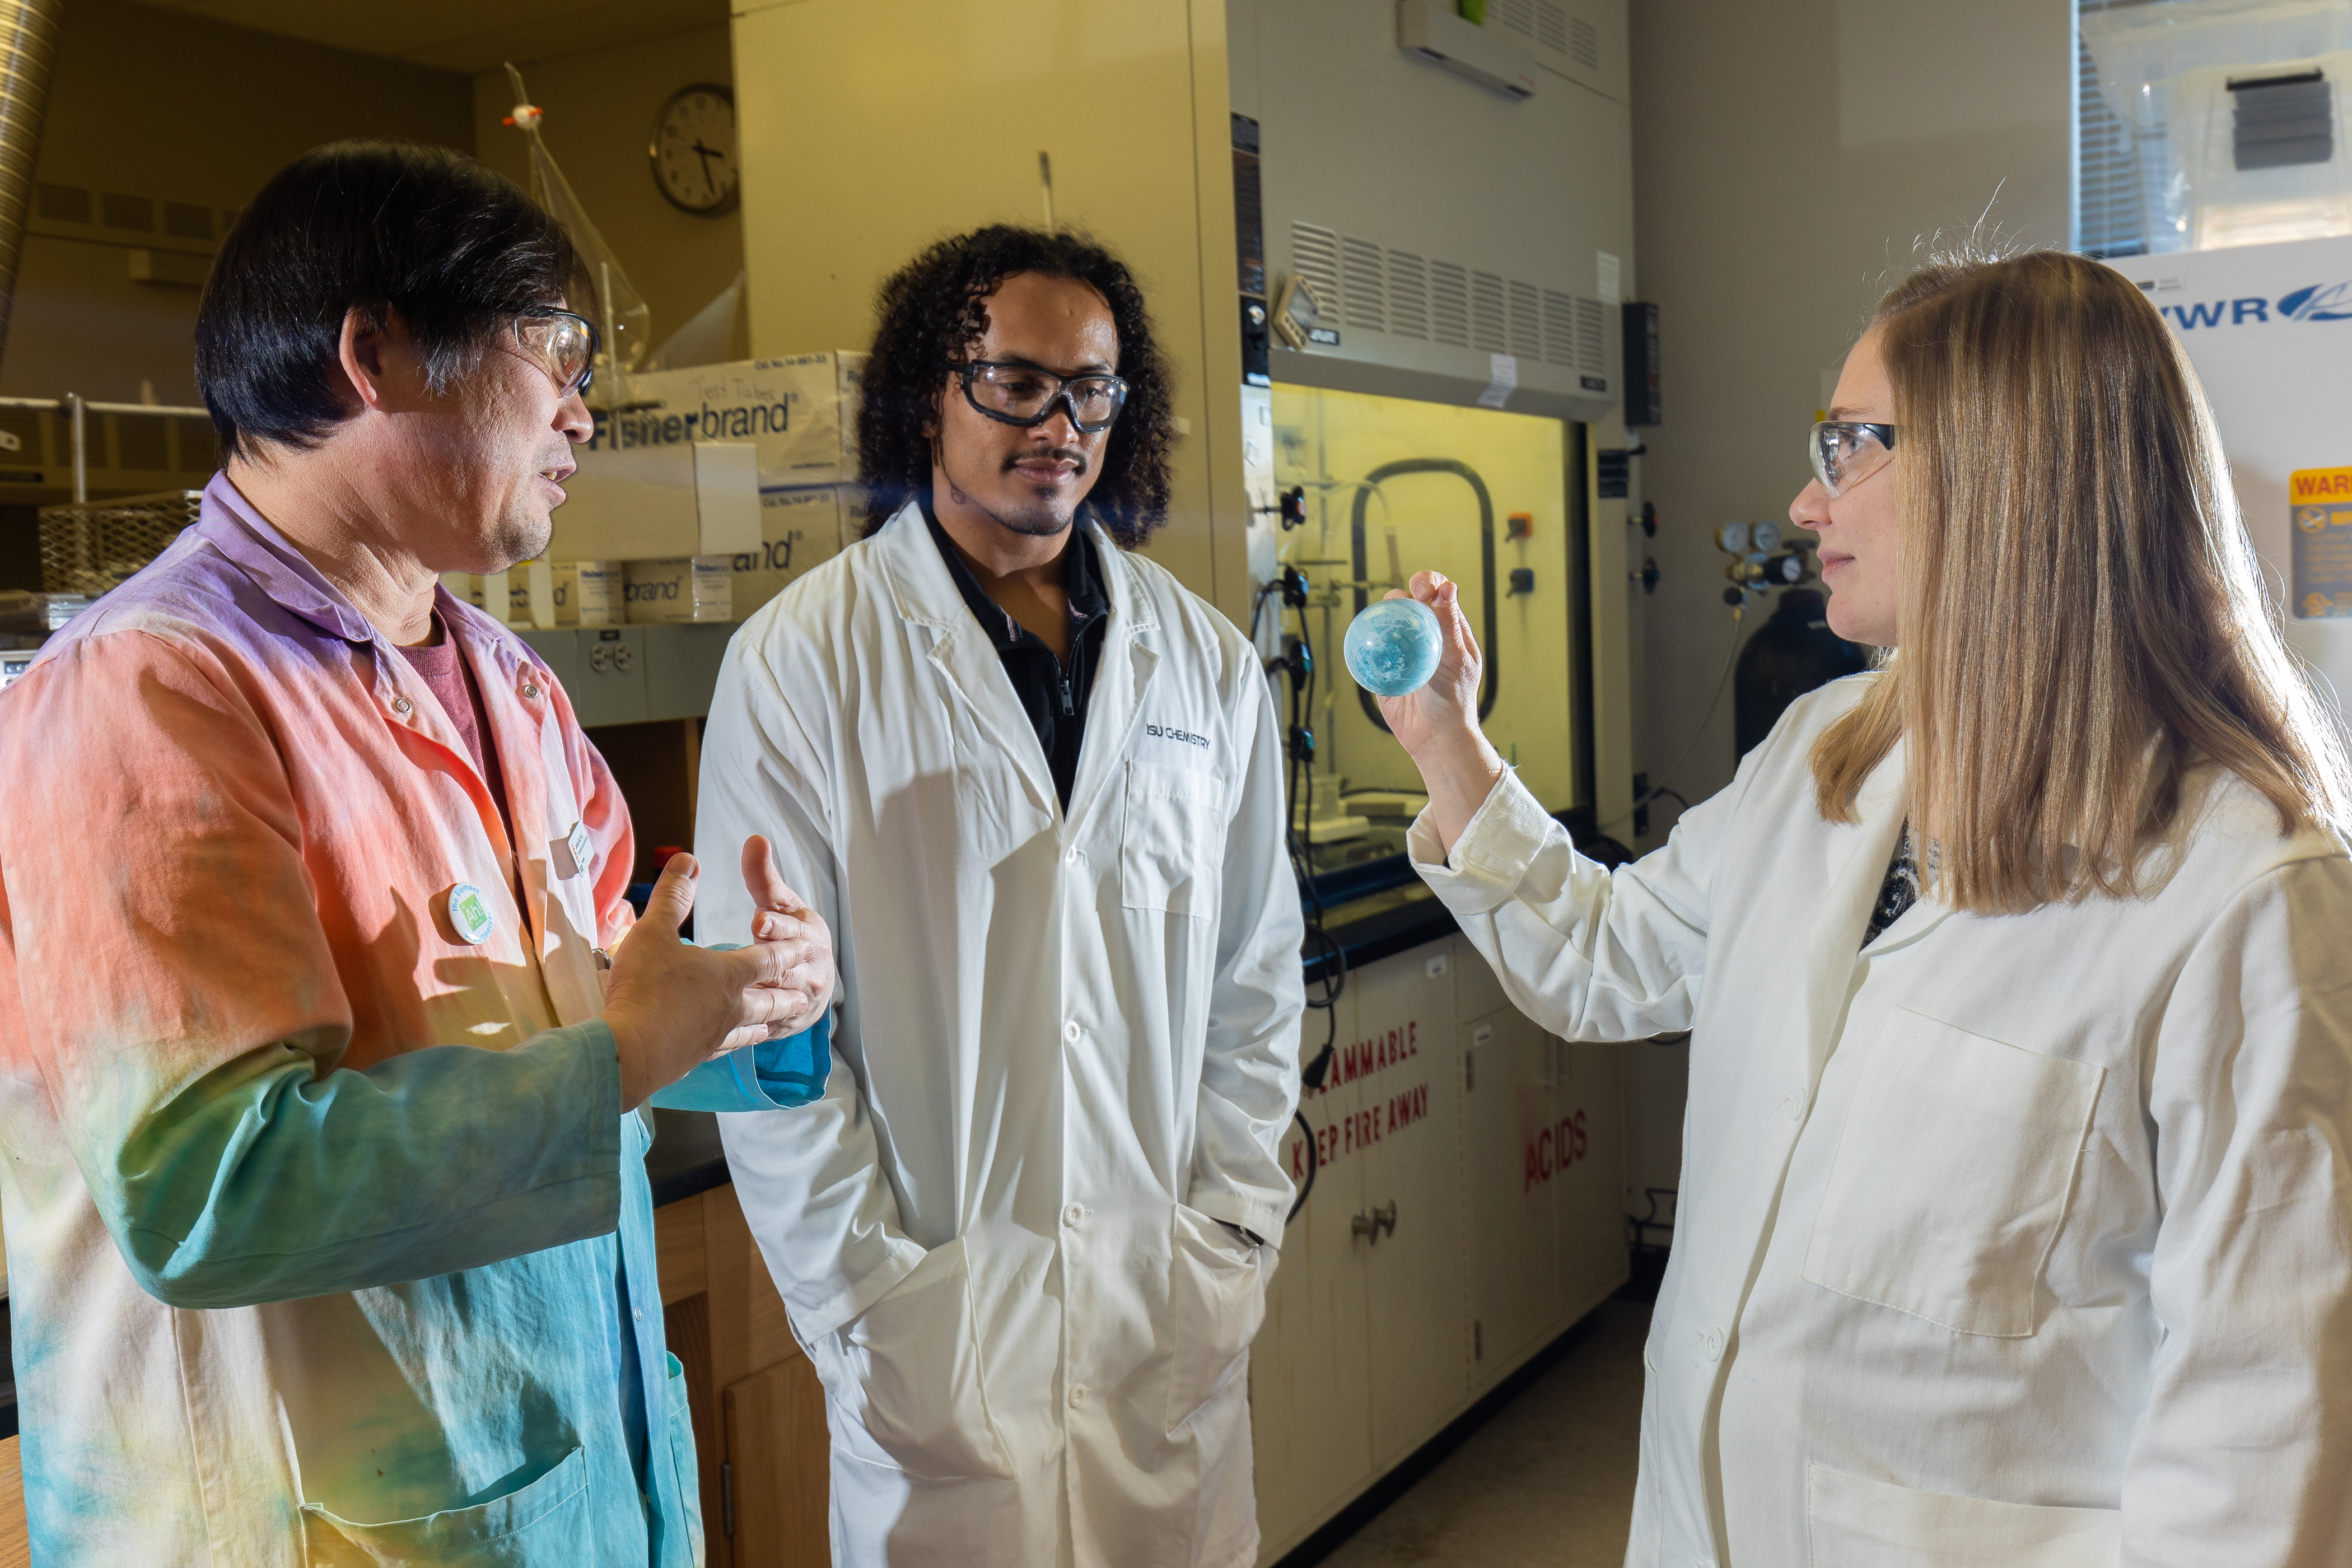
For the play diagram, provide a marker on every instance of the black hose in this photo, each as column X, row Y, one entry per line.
column 1314, row 1162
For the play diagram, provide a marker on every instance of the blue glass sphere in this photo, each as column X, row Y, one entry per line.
column 1393, row 648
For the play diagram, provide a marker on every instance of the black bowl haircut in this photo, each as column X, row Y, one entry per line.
column 451, row 247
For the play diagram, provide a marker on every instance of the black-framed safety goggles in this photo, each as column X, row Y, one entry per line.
column 565, row 341
column 1845, row 452
column 1024, row 396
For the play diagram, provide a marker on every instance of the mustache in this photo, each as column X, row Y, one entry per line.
column 1070, row 455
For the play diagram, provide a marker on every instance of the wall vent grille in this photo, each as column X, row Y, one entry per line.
column 1527, row 320
column 1365, row 287
column 185, row 220
column 1559, row 328
column 1587, row 338
column 1487, row 313
column 1517, row 16
column 1449, row 304
column 1551, row 25
column 1315, row 256
column 1408, row 295
column 1584, row 43
column 1365, row 291
column 140, row 443
column 62, row 204
column 128, row 212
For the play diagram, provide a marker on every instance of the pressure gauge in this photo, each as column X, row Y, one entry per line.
column 1765, row 536
column 1731, row 538
column 693, row 150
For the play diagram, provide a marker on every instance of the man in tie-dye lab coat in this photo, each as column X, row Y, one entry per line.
column 323, row 1119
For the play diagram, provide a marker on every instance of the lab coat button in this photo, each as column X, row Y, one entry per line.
column 1710, row 1343
column 1073, row 1214
column 1070, row 1031
column 1072, row 859
column 1078, row 1397
column 402, row 706
column 1795, row 1106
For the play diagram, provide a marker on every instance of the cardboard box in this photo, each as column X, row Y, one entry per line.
column 799, row 529
column 589, row 594
column 800, row 412
column 687, row 588
column 698, row 498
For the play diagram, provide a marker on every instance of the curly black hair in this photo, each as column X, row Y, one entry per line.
column 933, row 313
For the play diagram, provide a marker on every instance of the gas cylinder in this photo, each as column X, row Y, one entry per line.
column 1789, row 655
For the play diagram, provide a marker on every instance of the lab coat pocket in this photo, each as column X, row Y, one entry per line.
column 1172, row 840
column 916, row 1355
column 1952, row 1176
column 534, row 1526
column 682, row 1458
column 1858, row 1524
column 1216, row 1299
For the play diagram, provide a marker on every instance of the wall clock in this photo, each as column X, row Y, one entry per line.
column 693, row 150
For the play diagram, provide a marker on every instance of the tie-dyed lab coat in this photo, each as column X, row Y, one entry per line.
column 321, row 1220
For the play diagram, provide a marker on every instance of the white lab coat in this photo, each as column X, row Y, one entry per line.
column 1068, row 1048
column 2015, row 1241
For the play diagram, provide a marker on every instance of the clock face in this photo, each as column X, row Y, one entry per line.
column 693, row 150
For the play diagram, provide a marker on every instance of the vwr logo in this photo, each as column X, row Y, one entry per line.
column 2319, row 302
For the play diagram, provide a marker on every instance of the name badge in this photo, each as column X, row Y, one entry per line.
column 575, row 853
column 470, row 914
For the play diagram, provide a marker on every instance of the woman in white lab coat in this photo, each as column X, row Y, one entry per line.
column 2014, row 1223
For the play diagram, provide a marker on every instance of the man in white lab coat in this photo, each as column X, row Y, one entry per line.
column 1035, row 786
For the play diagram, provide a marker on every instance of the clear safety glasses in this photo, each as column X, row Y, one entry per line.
column 1846, row 453
column 562, row 341
column 1024, row 396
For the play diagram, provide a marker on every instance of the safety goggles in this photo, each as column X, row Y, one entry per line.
column 564, row 341
column 1846, row 453
column 1024, row 396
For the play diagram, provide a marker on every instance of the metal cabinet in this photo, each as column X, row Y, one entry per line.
column 682, row 668
column 1509, row 1218
column 1467, row 1210
column 1310, row 1405
column 629, row 675
column 1411, row 1226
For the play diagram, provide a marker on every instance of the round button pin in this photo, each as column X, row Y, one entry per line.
column 470, row 914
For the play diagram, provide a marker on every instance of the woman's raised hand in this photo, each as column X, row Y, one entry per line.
column 1448, row 704
column 1438, row 725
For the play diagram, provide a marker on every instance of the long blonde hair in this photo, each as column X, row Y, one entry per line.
column 2080, row 621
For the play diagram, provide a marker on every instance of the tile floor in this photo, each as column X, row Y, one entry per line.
column 1547, row 1481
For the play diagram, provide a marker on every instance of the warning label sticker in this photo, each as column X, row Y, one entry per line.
column 2320, row 503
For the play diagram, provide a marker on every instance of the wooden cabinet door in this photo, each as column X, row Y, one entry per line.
column 1509, row 1215
column 1310, row 1423
column 775, row 1492
column 1408, row 1134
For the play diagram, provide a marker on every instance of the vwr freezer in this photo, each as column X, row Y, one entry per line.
column 2269, row 329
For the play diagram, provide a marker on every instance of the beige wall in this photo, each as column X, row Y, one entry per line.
column 160, row 104
column 600, row 115
column 861, row 147
column 1787, row 158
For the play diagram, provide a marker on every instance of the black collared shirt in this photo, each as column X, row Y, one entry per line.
column 1053, row 691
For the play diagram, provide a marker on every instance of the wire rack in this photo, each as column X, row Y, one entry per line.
column 89, row 547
